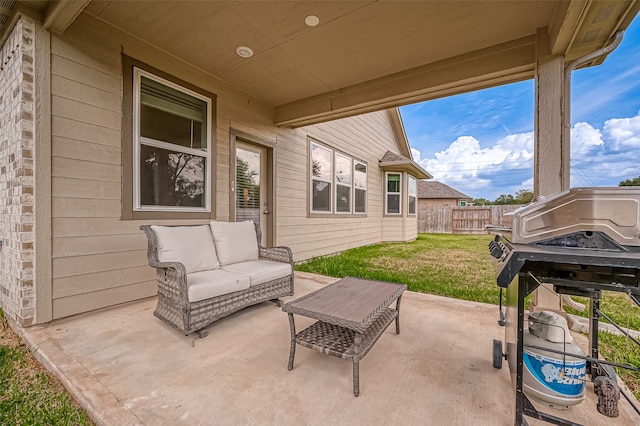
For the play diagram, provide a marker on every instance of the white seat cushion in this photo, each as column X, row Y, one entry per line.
column 235, row 241
column 190, row 245
column 206, row 284
column 260, row 271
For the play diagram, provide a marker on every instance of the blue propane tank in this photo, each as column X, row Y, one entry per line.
column 556, row 380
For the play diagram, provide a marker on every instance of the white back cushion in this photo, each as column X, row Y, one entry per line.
column 190, row 245
column 235, row 241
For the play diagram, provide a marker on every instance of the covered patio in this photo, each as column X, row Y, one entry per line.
column 127, row 367
column 274, row 69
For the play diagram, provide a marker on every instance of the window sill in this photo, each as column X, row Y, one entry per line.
column 168, row 215
column 334, row 215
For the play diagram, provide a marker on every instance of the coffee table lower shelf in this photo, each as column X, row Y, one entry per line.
column 342, row 342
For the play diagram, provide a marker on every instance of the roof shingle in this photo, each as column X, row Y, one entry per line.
column 434, row 189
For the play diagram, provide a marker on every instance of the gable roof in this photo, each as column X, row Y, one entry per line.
column 398, row 129
column 396, row 162
column 434, row 189
column 392, row 156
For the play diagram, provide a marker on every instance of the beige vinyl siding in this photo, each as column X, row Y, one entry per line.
column 92, row 300
column 411, row 228
column 91, row 263
column 98, row 259
column 86, row 181
column 393, row 228
column 365, row 138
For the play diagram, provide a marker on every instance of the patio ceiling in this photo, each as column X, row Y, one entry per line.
column 363, row 55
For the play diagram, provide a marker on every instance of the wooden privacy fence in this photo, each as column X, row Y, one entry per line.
column 472, row 220
column 462, row 220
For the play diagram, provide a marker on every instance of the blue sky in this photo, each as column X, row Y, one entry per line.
column 481, row 143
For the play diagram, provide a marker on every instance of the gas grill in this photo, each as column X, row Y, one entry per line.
column 583, row 241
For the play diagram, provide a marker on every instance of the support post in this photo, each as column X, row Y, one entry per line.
column 551, row 151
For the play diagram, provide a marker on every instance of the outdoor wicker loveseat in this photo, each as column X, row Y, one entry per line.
column 206, row 272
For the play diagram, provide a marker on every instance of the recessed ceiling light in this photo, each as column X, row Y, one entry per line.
column 244, row 51
column 312, row 20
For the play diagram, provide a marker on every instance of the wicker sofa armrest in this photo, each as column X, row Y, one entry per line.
column 172, row 276
column 172, row 280
column 177, row 266
column 276, row 254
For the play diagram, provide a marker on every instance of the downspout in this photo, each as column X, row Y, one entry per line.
column 567, row 93
column 566, row 137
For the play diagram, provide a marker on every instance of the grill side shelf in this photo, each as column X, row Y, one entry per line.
column 510, row 264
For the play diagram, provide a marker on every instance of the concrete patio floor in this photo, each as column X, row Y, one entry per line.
column 127, row 367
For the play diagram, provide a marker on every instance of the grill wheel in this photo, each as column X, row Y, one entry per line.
column 497, row 354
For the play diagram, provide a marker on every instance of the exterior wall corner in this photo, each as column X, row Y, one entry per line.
column 17, row 165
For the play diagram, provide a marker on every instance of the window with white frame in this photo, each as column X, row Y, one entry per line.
column 321, row 178
column 393, row 190
column 344, row 173
column 338, row 182
column 413, row 195
column 172, row 134
column 360, row 187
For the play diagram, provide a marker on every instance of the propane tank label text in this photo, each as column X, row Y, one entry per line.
column 564, row 377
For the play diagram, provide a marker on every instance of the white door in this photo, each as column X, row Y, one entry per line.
column 251, row 180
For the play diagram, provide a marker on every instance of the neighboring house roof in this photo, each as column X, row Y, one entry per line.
column 434, row 190
column 399, row 163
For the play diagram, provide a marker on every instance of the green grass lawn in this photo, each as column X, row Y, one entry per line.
column 29, row 395
column 457, row 266
column 460, row 266
column 617, row 306
column 616, row 348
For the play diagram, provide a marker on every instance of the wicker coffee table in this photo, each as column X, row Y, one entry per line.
column 352, row 314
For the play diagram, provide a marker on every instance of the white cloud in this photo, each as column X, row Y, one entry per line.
column 598, row 158
column 415, row 154
column 527, row 184
column 520, row 149
column 464, row 160
column 623, row 133
column 584, row 138
column 612, row 162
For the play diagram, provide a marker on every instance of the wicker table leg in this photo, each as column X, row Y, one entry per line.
column 292, row 351
column 356, row 364
column 398, row 317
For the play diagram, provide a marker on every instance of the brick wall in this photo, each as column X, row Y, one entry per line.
column 17, row 149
